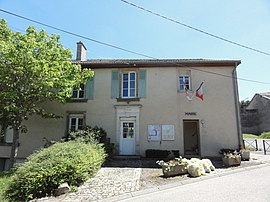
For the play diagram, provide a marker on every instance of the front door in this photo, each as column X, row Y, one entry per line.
column 127, row 139
column 191, row 137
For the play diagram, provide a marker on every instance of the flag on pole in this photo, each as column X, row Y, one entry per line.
column 186, row 92
column 199, row 92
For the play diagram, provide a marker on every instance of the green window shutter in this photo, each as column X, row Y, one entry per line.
column 90, row 89
column 115, row 84
column 142, row 83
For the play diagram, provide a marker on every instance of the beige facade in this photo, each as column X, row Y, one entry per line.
column 159, row 116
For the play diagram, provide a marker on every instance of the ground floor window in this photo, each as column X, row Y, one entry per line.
column 76, row 122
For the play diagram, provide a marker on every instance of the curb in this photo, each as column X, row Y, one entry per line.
column 181, row 183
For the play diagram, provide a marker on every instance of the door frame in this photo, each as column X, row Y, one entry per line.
column 122, row 140
column 197, row 121
column 127, row 112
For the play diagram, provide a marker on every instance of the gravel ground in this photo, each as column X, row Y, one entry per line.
column 152, row 176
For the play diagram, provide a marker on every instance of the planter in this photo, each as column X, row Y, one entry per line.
column 231, row 161
column 245, row 155
column 169, row 171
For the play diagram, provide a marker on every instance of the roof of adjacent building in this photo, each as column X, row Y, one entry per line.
column 266, row 95
column 107, row 63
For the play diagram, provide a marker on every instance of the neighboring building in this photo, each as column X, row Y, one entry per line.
column 142, row 105
column 255, row 116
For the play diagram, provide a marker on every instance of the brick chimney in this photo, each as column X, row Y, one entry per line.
column 81, row 51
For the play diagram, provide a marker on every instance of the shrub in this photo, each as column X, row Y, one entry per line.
column 93, row 135
column 72, row 162
column 265, row 135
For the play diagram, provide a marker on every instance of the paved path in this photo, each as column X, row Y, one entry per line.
column 248, row 185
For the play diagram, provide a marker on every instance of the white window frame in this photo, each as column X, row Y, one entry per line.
column 77, row 117
column 129, row 88
column 78, row 90
column 181, row 85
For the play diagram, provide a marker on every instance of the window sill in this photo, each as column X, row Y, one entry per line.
column 5, row 144
column 128, row 99
column 77, row 100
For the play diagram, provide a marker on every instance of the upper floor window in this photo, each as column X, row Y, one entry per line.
column 78, row 92
column 76, row 122
column 129, row 85
column 184, row 82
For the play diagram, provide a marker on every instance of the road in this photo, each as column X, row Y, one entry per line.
column 246, row 185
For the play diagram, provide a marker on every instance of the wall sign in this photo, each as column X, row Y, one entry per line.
column 154, row 132
column 190, row 113
column 167, row 132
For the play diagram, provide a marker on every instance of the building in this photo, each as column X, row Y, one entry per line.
column 255, row 116
column 148, row 104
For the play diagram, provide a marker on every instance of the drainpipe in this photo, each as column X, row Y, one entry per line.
column 237, row 108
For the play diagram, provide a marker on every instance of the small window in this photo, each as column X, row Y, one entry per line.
column 6, row 135
column 76, row 122
column 78, row 92
column 129, row 85
column 184, row 82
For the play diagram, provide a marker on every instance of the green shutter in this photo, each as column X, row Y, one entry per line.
column 90, row 89
column 142, row 83
column 115, row 84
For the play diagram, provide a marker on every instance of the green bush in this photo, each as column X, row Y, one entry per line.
column 265, row 135
column 93, row 135
column 73, row 162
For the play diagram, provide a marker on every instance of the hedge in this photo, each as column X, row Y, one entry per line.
column 73, row 162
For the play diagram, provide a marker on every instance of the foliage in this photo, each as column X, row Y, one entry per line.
column 34, row 68
column 230, row 153
column 5, row 178
column 250, row 136
column 93, row 135
column 72, row 162
column 174, row 162
column 265, row 135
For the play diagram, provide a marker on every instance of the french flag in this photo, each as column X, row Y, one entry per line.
column 199, row 92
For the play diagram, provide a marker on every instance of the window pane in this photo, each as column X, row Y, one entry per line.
column 132, row 76
column 132, row 84
column 125, row 84
column 125, row 77
column 74, row 94
column 132, row 92
column 80, row 123
column 73, row 121
column 125, row 93
column 81, row 87
column 81, row 94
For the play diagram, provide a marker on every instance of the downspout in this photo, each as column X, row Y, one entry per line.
column 237, row 107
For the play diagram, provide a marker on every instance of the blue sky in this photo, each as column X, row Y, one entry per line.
column 111, row 21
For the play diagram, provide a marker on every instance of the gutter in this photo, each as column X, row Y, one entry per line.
column 237, row 107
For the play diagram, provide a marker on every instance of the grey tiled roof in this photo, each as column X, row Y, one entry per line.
column 155, row 62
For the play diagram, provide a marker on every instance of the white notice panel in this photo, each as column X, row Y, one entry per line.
column 154, row 132
column 167, row 132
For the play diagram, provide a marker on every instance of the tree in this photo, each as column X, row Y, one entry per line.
column 34, row 68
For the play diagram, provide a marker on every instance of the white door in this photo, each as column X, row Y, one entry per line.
column 127, row 139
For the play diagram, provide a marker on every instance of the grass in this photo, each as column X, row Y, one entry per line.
column 5, row 177
column 250, row 136
column 264, row 135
